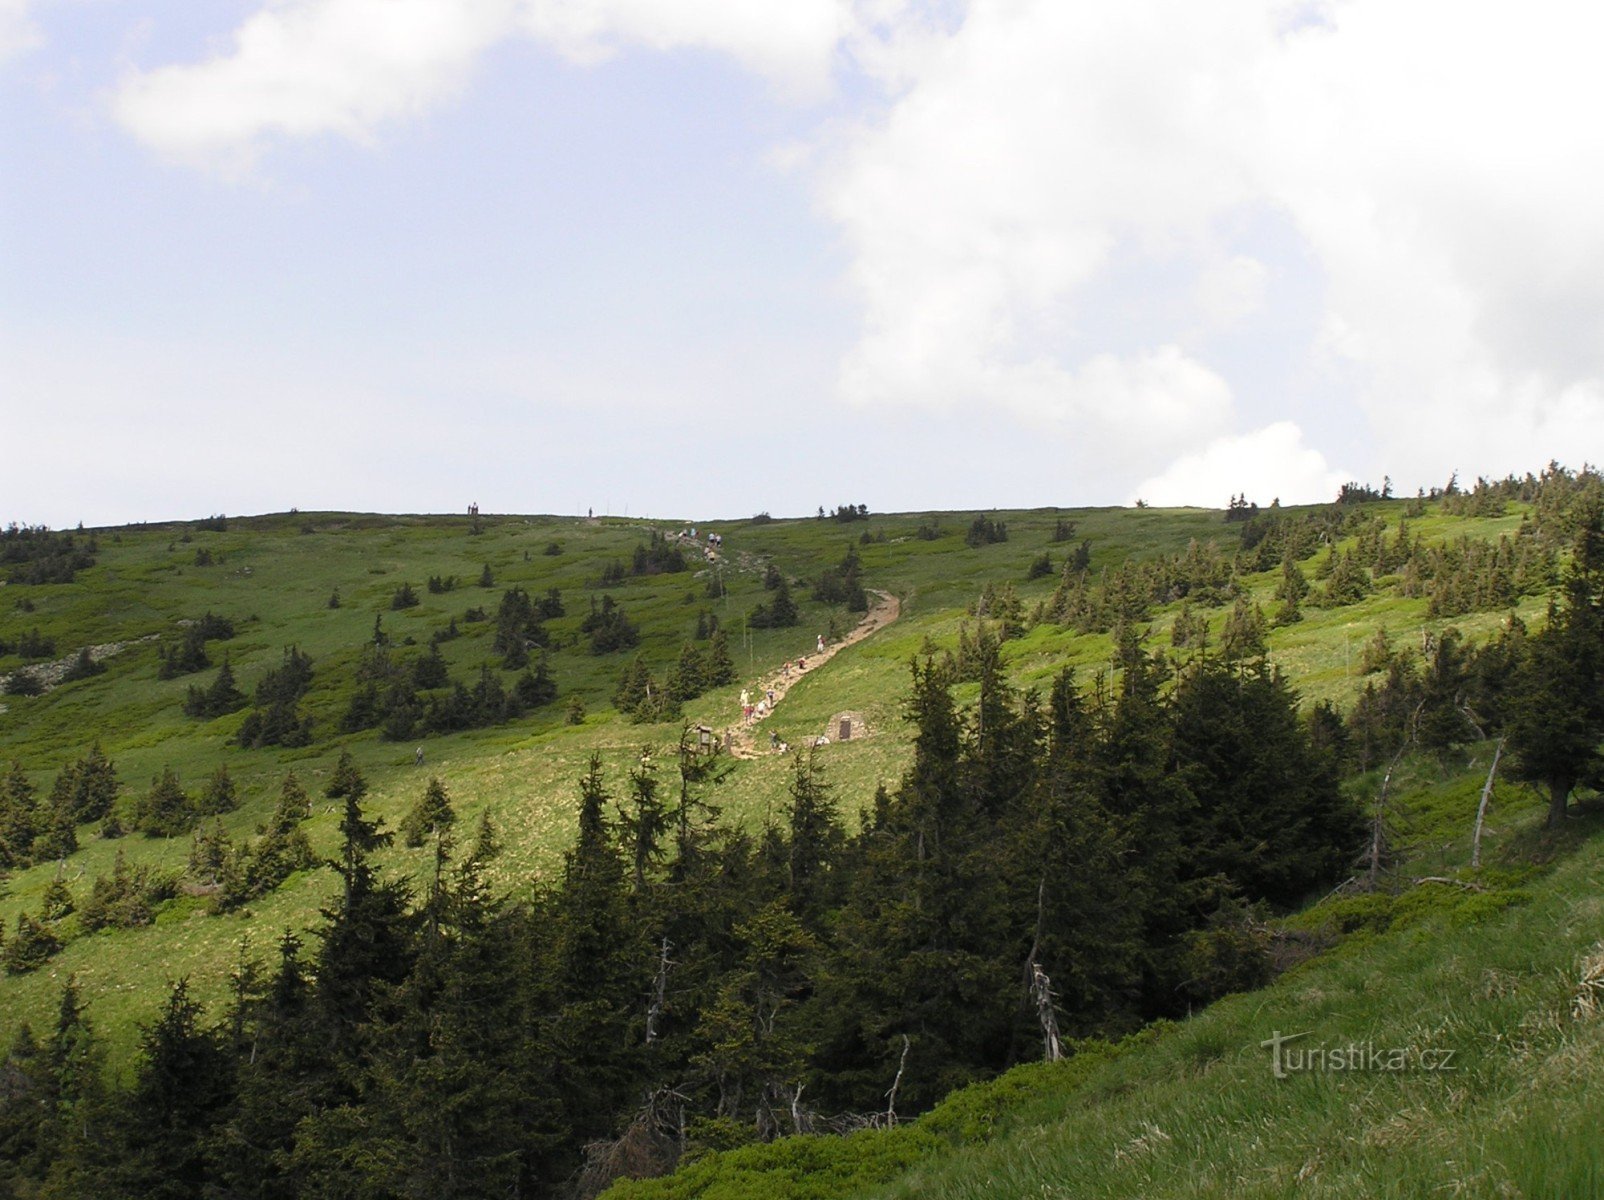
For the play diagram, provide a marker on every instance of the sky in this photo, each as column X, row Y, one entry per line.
column 707, row 258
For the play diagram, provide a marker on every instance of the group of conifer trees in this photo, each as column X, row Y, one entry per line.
column 435, row 1039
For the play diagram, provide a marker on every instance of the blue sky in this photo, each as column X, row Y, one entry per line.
column 703, row 258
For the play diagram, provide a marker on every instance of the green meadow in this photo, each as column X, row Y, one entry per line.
column 273, row 576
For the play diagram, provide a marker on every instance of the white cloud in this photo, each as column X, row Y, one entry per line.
column 1440, row 163
column 794, row 43
column 1266, row 464
column 300, row 68
column 1035, row 162
column 308, row 67
column 986, row 206
column 18, row 34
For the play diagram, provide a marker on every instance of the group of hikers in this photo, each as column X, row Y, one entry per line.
column 753, row 711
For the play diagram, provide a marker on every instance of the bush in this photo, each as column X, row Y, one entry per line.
column 83, row 666
column 24, row 683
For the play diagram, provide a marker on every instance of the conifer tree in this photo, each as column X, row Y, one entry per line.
column 30, row 947
column 167, row 809
column 814, row 843
column 19, row 819
column 283, row 847
column 633, row 685
column 182, row 1088
column 366, row 945
column 719, row 670
column 1086, row 936
column 595, row 974
column 753, row 1052
column 219, row 796
column 536, row 688
column 73, row 1103
column 209, row 854
column 431, row 814
column 57, row 835
column 283, row 1078
column 643, row 821
column 447, row 1096
column 1556, row 713
column 83, row 667
column 430, row 670
column 688, row 679
column 346, row 780
column 1243, row 635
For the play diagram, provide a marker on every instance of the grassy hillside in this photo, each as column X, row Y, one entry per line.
column 1449, row 1043
column 273, row 576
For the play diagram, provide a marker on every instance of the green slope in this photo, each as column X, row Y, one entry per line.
column 1450, row 1045
column 273, row 576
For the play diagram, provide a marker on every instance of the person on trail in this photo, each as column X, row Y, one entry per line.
column 771, row 698
column 774, row 740
column 417, row 759
column 746, row 697
column 821, row 643
column 801, row 664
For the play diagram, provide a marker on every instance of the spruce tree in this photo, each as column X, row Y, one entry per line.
column 1556, row 712
column 814, row 843
column 74, row 1104
column 1243, row 635
column 719, row 670
column 448, row 1107
column 366, row 945
column 643, row 821
column 166, row 810
column 283, row 1078
column 183, row 1086
column 19, row 819
column 219, row 796
column 596, row 972
column 431, row 814
column 30, row 947
column 347, row 779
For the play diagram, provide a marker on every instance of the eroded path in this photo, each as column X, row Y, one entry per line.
column 741, row 736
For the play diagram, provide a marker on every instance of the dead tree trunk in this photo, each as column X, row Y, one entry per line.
column 891, row 1096
column 1481, row 809
column 659, row 992
column 1041, row 990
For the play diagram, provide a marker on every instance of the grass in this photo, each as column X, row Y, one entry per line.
column 276, row 574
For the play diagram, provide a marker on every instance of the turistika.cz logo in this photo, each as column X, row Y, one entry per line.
column 1287, row 1059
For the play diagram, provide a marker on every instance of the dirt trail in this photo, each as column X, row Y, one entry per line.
column 884, row 608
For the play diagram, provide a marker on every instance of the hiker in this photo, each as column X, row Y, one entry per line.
column 801, row 664
column 774, row 740
column 417, row 759
column 821, row 643
column 771, row 698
